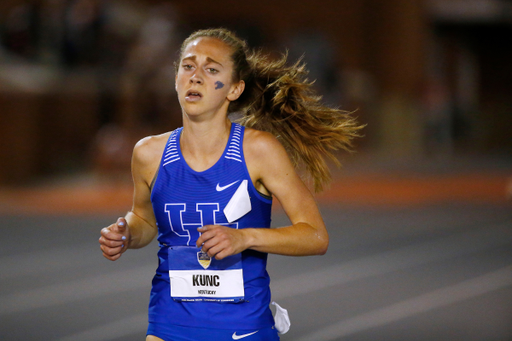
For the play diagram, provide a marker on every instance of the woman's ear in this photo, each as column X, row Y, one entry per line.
column 236, row 91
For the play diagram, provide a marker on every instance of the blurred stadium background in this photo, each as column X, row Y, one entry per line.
column 420, row 217
column 81, row 80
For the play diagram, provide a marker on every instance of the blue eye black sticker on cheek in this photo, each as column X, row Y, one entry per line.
column 219, row 85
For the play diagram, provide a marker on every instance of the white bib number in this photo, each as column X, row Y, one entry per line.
column 193, row 285
column 195, row 277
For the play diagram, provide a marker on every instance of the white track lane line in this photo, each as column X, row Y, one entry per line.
column 499, row 279
column 90, row 287
column 398, row 259
column 131, row 325
column 46, row 261
column 140, row 277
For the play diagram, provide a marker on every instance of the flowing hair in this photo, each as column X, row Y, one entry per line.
column 279, row 99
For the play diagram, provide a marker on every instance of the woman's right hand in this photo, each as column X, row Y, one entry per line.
column 114, row 239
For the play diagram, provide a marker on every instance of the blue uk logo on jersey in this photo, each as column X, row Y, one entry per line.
column 184, row 221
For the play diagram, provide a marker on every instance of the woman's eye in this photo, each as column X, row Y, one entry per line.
column 187, row 66
column 212, row 70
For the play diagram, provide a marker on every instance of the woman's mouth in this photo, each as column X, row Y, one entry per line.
column 193, row 95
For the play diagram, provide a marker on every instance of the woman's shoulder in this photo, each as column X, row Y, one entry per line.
column 153, row 140
column 258, row 139
column 150, row 148
column 261, row 144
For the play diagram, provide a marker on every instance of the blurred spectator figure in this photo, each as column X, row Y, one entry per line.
column 438, row 116
column 320, row 56
column 120, row 23
column 111, row 151
column 21, row 28
column 141, row 88
column 52, row 31
column 147, row 79
column 83, row 20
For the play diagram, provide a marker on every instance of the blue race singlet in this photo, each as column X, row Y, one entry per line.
column 189, row 288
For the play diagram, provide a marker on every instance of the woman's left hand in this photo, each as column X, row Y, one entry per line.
column 220, row 241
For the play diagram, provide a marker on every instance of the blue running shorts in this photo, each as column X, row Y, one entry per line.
column 180, row 333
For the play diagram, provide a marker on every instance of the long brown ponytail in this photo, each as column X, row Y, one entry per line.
column 279, row 99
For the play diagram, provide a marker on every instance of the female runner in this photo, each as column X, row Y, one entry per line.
column 206, row 189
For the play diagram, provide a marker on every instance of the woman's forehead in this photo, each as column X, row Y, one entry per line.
column 209, row 46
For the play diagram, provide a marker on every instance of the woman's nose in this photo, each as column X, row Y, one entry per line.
column 196, row 79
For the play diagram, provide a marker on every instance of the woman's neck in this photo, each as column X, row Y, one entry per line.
column 202, row 143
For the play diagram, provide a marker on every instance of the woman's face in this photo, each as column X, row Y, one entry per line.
column 204, row 81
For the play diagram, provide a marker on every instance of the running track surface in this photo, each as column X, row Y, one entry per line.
column 422, row 254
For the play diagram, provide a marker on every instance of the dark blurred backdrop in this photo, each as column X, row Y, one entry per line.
column 82, row 80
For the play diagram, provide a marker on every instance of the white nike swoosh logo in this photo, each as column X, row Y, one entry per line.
column 238, row 337
column 220, row 189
